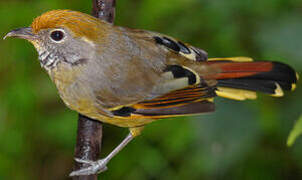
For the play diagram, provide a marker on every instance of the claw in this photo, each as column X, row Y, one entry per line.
column 81, row 172
column 84, row 161
column 93, row 168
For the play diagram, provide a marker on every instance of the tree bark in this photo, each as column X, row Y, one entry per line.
column 89, row 134
column 104, row 9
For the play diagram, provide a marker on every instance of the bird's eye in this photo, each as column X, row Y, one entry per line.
column 57, row 35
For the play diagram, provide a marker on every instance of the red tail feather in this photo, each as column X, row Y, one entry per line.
column 263, row 76
column 241, row 69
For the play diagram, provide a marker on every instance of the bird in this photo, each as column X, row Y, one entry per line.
column 131, row 77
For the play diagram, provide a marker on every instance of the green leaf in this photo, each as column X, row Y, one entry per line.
column 295, row 132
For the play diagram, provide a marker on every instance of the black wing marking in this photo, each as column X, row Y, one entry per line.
column 187, row 51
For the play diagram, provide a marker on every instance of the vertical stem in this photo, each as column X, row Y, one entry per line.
column 104, row 9
column 88, row 146
column 89, row 134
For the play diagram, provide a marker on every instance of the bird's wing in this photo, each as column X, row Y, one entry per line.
column 170, row 44
column 180, row 92
column 187, row 101
column 177, row 90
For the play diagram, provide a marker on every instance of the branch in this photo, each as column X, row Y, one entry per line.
column 104, row 9
column 89, row 134
column 88, row 146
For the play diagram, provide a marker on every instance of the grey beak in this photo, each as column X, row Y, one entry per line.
column 23, row 33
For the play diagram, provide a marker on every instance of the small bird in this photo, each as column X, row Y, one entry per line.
column 130, row 77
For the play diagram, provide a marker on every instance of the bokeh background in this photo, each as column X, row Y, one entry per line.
column 241, row 140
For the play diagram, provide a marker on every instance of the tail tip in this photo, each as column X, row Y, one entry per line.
column 294, row 86
column 278, row 91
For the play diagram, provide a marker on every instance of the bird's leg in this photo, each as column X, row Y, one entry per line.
column 100, row 165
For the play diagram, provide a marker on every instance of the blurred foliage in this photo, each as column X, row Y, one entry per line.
column 295, row 132
column 242, row 140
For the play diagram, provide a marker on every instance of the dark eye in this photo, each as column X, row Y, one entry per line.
column 57, row 35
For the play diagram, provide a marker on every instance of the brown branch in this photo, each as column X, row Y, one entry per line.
column 89, row 134
column 104, row 9
column 88, row 146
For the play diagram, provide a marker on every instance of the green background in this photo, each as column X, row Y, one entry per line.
column 242, row 140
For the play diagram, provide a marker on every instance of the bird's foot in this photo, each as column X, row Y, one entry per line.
column 93, row 168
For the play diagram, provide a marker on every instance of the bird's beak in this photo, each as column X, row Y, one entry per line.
column 23, row 33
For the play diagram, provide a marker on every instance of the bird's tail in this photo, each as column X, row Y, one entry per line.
column 237, row 78
column 240, row 78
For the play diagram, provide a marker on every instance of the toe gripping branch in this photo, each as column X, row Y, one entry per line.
column 99, row 166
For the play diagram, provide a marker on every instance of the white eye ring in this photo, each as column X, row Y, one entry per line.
column 57, row 35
